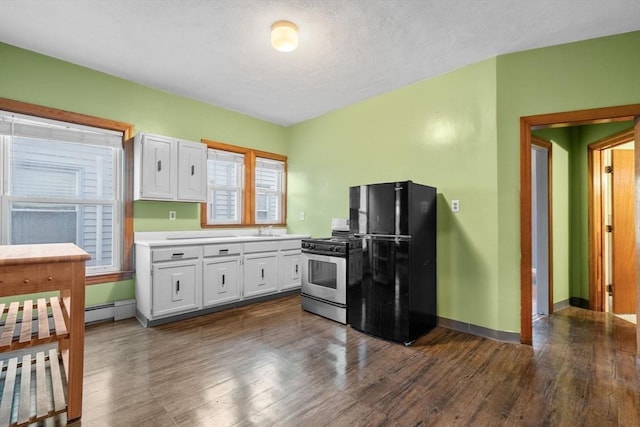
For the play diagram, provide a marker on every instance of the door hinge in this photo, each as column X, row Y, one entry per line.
column 608, row 169
column 609, row 228
column 610, row 289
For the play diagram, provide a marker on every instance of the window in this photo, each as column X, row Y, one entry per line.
column 225, row 173
column 245, row 186
column 269, row 190
column 62, row 182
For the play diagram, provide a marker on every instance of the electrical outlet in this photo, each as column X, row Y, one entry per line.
column 301, row 216
column 172, row 215
column 455, row 206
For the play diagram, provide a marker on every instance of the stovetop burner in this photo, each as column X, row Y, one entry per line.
column 334, row 245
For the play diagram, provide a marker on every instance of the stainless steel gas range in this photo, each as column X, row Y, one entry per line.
column 329, row 265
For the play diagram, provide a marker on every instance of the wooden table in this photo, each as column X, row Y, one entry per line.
column 26, row 269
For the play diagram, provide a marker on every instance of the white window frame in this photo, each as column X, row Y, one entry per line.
column 14, row 124
column 277, row 165
column 212, row 155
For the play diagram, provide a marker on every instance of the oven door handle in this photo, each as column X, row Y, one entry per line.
column 383, row 236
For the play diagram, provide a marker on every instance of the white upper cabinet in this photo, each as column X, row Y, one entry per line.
column 192, row 166
column 156, row 172
column 169, row 169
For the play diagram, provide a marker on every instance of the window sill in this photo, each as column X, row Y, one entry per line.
column 262, row 224
column 108, row 277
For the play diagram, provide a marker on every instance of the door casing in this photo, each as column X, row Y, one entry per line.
column 570, row 118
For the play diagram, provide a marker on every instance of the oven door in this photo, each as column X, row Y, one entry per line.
column 324, row 277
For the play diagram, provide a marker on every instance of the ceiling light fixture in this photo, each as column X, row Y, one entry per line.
column 284, row 36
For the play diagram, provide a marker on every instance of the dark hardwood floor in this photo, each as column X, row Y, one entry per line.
column 273, row 364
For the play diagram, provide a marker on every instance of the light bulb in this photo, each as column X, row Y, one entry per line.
column 284, row 36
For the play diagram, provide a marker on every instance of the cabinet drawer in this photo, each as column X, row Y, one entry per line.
column 290, row 244
column 218, row 250
column 260, row 247
column 173, row 254
column 32, row 279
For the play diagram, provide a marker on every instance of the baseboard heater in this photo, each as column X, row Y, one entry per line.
column 116, row 310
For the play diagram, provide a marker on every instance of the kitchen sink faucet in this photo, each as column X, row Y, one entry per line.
column 268, row 229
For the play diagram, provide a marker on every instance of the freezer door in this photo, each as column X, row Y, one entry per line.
column 379, row 209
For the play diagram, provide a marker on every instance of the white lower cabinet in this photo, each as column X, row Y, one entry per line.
column 175, row 287
column 260, row 273
column 290, row 269
column 220, row 280
column 185, row 280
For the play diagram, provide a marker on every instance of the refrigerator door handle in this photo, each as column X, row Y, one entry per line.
column 383, row 236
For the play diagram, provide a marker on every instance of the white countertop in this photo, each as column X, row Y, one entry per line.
column 182, row 238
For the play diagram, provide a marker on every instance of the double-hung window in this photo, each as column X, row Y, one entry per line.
column 62, row 183
column 225, row 187
column 245, row 186
column 269, row 185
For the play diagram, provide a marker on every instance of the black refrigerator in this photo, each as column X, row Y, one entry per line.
column 396, row 297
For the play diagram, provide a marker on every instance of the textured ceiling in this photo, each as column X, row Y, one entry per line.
column 218, row 51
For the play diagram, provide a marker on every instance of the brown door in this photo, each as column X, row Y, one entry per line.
column 623, row 236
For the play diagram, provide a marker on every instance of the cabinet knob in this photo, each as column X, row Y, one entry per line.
column 26, row 280
column 50, row 278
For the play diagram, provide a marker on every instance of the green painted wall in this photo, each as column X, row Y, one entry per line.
column 589, row 74
column 31, row 77
column 439, row 132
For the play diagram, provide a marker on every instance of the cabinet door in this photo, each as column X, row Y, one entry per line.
column 260, row 274
column 220, row 280
column 290, row 269
column 192, row 166
column 158, row 168
column 175, row 286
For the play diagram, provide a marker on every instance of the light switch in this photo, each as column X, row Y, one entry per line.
column 301, row 216
column 172, row 215
column 455, row 206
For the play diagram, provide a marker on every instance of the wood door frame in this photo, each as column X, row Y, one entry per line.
column 596, row 217
column 570, row 118
column 543, row 143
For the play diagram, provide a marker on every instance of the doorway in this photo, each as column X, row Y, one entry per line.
column 612, row 166
column 573, row 118
column 541, row 232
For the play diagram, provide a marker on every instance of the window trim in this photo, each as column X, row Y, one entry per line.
column 127, row 129
column 248, row 215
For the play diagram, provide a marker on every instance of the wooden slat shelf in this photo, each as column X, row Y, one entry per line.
column 15, row 335
column 47, row 381
column 33, row 388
